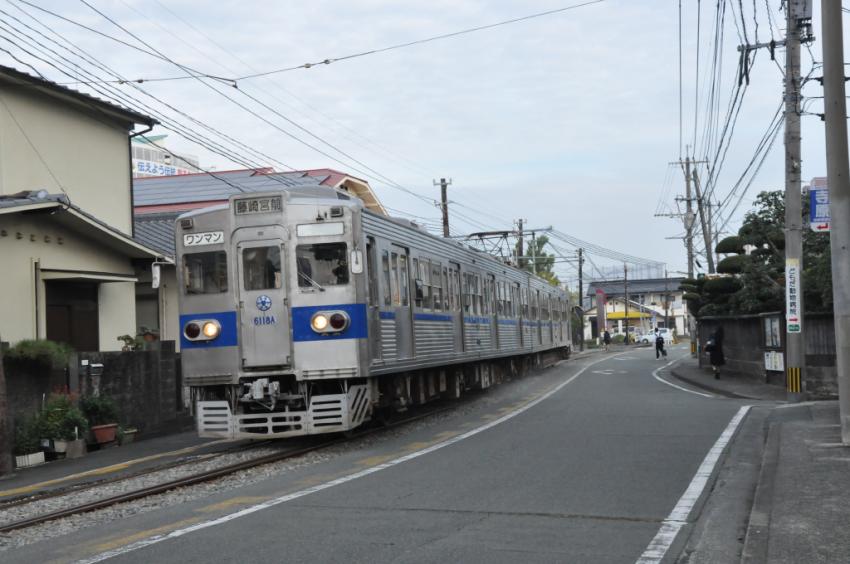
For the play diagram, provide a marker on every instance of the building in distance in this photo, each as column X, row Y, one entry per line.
column 152, row 158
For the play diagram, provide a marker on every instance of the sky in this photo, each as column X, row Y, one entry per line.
column 569, row 119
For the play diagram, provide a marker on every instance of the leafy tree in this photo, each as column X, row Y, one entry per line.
column 545, row 261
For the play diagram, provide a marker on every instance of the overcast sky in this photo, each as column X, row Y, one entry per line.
column 569, row 119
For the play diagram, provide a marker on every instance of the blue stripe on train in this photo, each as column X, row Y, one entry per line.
column 507, row 322
column 476, row 319
column 387, row 315
column 432, row 317
column 301, row 331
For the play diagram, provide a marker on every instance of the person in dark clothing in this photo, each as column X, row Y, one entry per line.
column 716, row 352
column 659, row 345
column 606, row 338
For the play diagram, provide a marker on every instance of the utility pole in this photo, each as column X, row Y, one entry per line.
column 444, row 207
column 581, row 299
column 626, row 279
column 666, row 302
column 798, row 17
column 5, row 431
column 534, row 253
column 838, row 181
column 521, row 260
column 689, row 221
column 706, row 232
column 796, row 344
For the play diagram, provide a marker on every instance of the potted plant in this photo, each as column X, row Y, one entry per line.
column 28, row 432
column 102, row 411
column 63, row 422
column 147, row 333
column 126, row 436
column 131, row 343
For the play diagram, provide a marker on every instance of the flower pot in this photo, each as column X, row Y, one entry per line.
column 129, row 437
column 105, row 433
column 29, row 460
column 60, row 445
column 149, row 337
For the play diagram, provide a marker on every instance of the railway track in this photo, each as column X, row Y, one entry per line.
column 187, row 480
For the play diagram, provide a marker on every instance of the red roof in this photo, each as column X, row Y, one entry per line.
column 334, row 178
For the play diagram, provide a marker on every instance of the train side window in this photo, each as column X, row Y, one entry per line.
column 385, row 279
column 394, row 278
column 524, row 293
column 205, row 273
column 486, row 296
column 447, row 292
column 436, row 284
column 425, row 275
column 402, row 267
column 479, row 295
column 261, row 268
column 467, row 288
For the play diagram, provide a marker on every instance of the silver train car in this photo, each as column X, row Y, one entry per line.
column 301, row 312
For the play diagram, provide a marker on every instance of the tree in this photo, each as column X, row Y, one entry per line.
column 545, row 262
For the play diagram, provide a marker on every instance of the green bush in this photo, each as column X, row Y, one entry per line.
column 690, row 281
column 42, row 351
column 618, row 338
column 725, row 285
column 61, row 416
column 100, row 409
column 732, row 265
column 692, row 296
column 28, row 434
column 730, row 246
column 688, row 288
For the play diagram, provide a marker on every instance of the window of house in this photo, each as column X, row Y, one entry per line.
column 205, row 273
column 261, row 268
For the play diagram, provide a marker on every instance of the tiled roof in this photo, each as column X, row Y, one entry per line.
column 156, row 231
column 15, row 76
column 219, row 186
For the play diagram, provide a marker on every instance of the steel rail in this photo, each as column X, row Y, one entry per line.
column 197, row 478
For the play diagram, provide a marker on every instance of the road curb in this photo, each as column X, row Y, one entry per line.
column 711, row 389
column 758, row 528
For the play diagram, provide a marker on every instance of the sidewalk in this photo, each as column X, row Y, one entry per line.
column 688, row 370
column 801, row 509
column 109, row 463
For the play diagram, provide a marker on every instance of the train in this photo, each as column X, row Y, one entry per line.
column 302, row 313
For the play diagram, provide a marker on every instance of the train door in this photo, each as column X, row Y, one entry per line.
column 401, row 306
column 374, row 312
column 263, row 310
column 525, row 328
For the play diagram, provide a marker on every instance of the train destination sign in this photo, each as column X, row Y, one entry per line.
column 207, row 238
column 258, row 205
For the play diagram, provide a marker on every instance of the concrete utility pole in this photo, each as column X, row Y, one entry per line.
column 798, row 17
column 706, row 232
column 521, row 260
column 581, row 299
column 5, row 431
column 795, row 12
column 626, row 279
column 534, row 253
column 444, row 207
column 838, row 180
column 689, row 222
column 666, row 302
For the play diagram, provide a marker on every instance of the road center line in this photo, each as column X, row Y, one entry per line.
column 678, row 517
column 660, row 379
column 283, row 499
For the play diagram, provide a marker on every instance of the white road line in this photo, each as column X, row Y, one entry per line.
column 660, row 379
column 678, row 517
column 272, row 502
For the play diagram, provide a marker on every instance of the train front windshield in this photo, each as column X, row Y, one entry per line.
column 322, row 264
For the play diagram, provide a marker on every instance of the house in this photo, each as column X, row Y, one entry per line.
column 658, row 296
column 69, row 260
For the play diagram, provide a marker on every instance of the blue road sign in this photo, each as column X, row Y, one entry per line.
column 819, row 210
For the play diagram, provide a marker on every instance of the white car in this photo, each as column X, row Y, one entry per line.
column 650, row 337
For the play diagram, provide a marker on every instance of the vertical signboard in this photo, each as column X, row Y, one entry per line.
column 792, row 295
column 601, row 311
column 819, row 209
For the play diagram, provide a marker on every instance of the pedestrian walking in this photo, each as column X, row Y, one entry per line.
column 659, row 345
column 714, row 347
column 606, row 338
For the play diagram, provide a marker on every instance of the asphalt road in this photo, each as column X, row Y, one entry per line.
column 573, row 469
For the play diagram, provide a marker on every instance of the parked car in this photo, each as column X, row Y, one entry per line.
column 650, row 337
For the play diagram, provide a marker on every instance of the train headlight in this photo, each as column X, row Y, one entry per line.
column 211, row 330
column 319, row 322
column 330, row 321
column 202, row 330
